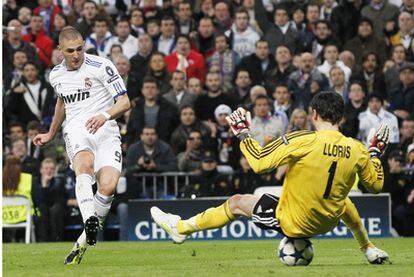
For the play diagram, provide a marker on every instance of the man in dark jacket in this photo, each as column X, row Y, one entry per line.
column 279, row 31
column 353, row 108
column 152, row 111
column 150, row 154
column 259, row 63
column 89, row 11
column 344, row 20
column 402, row 100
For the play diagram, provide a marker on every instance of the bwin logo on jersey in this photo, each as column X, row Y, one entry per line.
column 80, row 96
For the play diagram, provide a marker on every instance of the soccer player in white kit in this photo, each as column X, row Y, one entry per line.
column 91, row 95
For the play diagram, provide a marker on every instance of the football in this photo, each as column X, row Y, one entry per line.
column 294, row 252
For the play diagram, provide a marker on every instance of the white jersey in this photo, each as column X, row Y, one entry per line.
column 88, row 91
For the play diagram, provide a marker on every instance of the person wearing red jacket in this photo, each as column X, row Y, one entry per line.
column 186, row 60
column 37, row 38
column 47, row 10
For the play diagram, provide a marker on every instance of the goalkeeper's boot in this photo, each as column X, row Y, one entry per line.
column 76, row 254
column 168, row 222
column 91, row 230
column 375, row 255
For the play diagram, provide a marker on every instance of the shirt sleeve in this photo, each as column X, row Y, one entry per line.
column 281, row 151
column 112, row 80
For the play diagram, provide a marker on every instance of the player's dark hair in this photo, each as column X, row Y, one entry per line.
column 150, row 80
column 329, row 106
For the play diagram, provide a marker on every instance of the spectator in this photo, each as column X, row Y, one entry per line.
column 188, row 123
column 59, row 23
column 344, row 20
column 186, row 60
column 166, row 41
column 206, row 10
column 32, row 98
column 203, row 40
column 283, row 103
column 284, row 67
column 370, row 75
column 298, row 121
column 101, row 37
column 337, row 79
column 353, row 108
column 392, row 75
column 205, row 105
column 115, row 51
column 259, row 63
column 89, row 12
column 312, row 17
column 402, row 100
column 307, row 80
column 24, row 17
column 139, row 66
column 407, row 6
column 323, row 36
column 124, row 38
column 265, row 127
column 406, row 134
column 57, row 58
column 49, row 196
column 151, row 10
column 152, row 111
column 348, row 59
column 227, row 145
column 209, row 182
column 153, row 27
column 38, row 39
column 194, row 87
column 374, row 116
column 331, row 56
column 48, row 11
column 366, row 41
column 150, row 154
column 14, row 77
column 381, row 13
column 157, row 69
column 15, row 132
column 190, row 159
column 405, row 34
column 225, row 60
column 178, row 96
column 137, row 22
column 242, row 85
column 326, row 9
column 34, row 151
column 242, row 37
column 15, row 183
column 185, row 23
column 298, row 20
column 123, row 66
column 279, row 31
column 222, row 18
column 28, row 164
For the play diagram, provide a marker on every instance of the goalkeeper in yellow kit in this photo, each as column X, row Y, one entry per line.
column 322, row 169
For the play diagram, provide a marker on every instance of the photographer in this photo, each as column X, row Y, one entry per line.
column 148, row 155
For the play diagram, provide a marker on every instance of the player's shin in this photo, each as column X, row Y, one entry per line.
column 353, row 221
column 102, row 205
column 209, row 219
column 84, row 195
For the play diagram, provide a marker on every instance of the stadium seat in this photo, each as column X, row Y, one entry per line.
column 29, row 227
column 274, row 190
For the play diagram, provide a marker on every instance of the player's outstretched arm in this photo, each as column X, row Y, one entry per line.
column 58, row 118
column 118, row 109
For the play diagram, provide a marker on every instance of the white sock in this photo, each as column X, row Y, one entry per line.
column 102, row 204
column 84, row 195
column 82, row 238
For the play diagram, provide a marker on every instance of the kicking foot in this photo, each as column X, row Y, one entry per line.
column 91, row 230
column 376, row 256
column 168, row 222
column 76, row 254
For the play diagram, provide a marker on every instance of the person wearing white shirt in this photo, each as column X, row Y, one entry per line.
column 101, row 38
column 374, row 116
column 128, row 42
column 166, row 41
column 331, row 56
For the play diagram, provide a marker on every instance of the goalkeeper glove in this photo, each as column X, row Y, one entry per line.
column 239, row 122
column 378, row 140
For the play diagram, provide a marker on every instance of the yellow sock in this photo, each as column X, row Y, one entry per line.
column 209, row 219
column 354, row 223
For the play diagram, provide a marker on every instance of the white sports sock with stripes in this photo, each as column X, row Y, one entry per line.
column 102, row 205
column 84, row 195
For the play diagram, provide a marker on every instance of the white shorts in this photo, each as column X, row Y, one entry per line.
column 105, row 144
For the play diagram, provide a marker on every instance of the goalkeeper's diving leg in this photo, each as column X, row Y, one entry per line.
column 178, row 229
column 353, row 221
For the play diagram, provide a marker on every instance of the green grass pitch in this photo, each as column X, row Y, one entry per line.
column 339, row 257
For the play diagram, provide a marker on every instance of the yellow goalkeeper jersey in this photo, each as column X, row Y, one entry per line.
column 322, row 169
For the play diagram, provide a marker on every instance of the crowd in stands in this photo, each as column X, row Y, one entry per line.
column 187, row 64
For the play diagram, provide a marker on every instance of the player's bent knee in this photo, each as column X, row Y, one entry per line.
column 236, row 204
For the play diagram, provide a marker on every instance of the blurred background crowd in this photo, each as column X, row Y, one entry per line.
column 188, row 64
